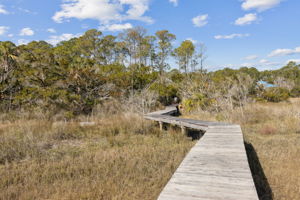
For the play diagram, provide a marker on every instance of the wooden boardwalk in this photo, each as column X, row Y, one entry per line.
column 215, row 168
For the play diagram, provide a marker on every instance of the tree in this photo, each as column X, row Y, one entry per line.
column 202, row 55
column 134, row 39
column 121, row 52
column 107, row 50
column 37, row 63
column 8, row 64
column 88, row 44
column 8, row 55
column 87, row 47
column 184, row 55
column 164, row 48
column 151, row 50
column 36, row 74
column 65, row 54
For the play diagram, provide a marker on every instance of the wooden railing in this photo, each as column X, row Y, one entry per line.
column 215, row 168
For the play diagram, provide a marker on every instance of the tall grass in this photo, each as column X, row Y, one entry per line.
column 120, row 157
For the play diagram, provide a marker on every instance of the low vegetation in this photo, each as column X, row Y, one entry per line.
column 120, row 157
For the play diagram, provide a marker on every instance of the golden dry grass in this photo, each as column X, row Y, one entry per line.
column 273, row 129
column 121, row 157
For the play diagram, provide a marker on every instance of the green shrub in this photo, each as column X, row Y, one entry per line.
column 166, row 92
column 197, row 101
column 276, row 94
column 295, row 91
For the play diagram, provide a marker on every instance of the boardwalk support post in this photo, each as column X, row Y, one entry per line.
column 161, row 126
column 183, row 130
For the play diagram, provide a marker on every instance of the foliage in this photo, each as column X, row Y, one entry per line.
column 165, row 39
column 295, row 92
column 197, row 101
column 184, row 55
column 166, row 91
column 276, row 94
column 78, row 75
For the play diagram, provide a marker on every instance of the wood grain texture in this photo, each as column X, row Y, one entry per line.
column 215, row 168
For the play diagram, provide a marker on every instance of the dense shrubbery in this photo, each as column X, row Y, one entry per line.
column 77, row 75
column 276, row 94
column 197, row 101
column 295, row 92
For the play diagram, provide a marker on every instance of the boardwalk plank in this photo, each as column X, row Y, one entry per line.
column 215, row 168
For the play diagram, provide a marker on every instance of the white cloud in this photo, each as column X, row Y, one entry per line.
column 23, row 41
column 262, row 64
column 260, row 5
column 115, row 27
column 10, row 35
column 268, row 63
column 3, row 11
column 27, row 11
column 174, row 2
column 51, row 30
column 3, row 30
column 55, row 39
column 104, row 11
column 251, row 57
column 200, row 20
column 247, row 65
column 263, row 61
column 232, row 36
column 26, row 32
column 247, row 19
column 284, row 52
column 192, row 40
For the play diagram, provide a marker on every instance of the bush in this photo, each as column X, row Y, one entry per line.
column 166, row 92
column 197, row 101
column 295, row 91
column 276, row 94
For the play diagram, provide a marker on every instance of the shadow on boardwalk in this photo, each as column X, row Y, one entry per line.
column 191, row 133
column 195, row 134
column 260, row 180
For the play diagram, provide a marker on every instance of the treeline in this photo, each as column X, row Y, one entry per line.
column 77, row 75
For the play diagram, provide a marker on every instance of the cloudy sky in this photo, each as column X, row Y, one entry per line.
column 260, row 33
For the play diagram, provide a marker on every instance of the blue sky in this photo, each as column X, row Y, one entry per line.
column 259, row 33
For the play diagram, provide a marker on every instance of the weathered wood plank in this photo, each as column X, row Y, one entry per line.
column 215, row 168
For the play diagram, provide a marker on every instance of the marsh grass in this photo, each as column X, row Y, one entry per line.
column 273, row 130
column 120, row 157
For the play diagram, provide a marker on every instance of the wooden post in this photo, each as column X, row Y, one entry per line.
column 183, row 130
column 161, row 126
